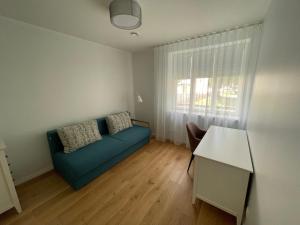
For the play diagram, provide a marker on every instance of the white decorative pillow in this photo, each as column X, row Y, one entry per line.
column 79, row 135
column 117, row 122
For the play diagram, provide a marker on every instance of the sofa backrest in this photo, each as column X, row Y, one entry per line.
column 54, row 141
column 102, row 125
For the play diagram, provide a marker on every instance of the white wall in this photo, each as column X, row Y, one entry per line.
column 143, row 77
column 274, row 121
column 48, row 79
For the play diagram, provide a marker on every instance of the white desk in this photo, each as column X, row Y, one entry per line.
column 222, row 169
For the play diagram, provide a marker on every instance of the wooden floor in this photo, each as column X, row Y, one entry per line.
column 150, row 187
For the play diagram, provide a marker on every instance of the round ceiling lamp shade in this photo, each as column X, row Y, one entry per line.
column 125, row 14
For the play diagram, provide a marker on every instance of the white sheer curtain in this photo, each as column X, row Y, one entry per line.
column 207, row 80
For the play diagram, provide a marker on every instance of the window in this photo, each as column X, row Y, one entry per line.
column 218, row 93
column 209, row 95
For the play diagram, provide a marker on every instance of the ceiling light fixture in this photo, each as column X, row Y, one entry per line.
column 125, row 14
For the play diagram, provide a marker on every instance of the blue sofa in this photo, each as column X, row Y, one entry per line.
column 80, row 167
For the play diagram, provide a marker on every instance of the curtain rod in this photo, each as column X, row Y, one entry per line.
column 211, row 33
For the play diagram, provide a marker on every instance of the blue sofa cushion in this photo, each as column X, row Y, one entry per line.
column 82, row 161
column 133, row 134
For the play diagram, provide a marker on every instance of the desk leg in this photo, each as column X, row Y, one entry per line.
column 16, row 202
column 18, row 208
column 239, row 216
column 193, row 199
column 195, row 174
column 239, row 220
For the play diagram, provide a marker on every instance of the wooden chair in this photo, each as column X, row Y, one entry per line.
column 195, row 135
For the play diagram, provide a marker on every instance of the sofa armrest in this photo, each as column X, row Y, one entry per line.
column 145, row 123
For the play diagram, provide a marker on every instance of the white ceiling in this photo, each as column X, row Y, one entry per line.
column 163, row 20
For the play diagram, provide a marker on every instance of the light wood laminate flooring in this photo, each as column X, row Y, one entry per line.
column 151, row 187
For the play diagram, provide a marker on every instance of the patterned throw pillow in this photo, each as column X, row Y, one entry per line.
column 117, row 122
column 79, row 135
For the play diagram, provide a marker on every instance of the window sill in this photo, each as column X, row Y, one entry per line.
column 208, row 115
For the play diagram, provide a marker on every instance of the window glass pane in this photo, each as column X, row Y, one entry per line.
column 227, row 95
column 183, row 93
column 203, row 94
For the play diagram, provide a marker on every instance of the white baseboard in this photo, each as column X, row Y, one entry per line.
column 22, row 180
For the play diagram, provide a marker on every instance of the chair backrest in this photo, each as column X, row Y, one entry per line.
column 195, row 135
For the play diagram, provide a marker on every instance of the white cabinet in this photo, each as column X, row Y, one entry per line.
column 222, row 170
column 8, row 194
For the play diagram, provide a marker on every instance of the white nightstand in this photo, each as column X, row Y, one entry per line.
column 8, row 194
